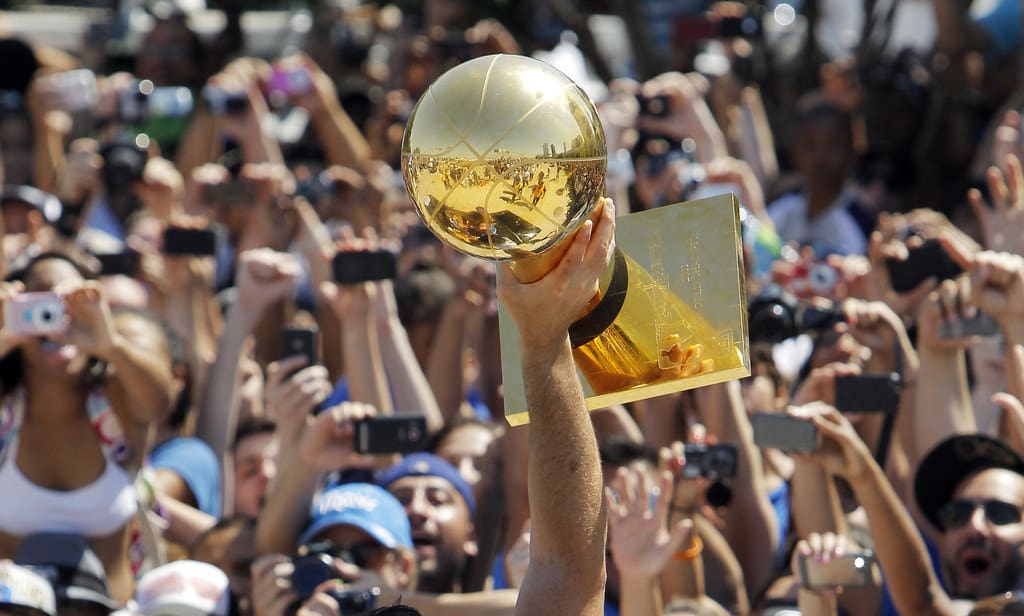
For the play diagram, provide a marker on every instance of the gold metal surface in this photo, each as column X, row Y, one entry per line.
column 683, row 321
column 504, row 156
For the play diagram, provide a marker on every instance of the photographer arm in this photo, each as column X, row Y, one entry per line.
column 751, row 527
column 409, row 386
column 898, row 545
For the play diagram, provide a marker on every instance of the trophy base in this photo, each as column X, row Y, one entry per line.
column 671, row 314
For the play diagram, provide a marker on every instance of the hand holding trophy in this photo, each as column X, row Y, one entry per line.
column 504, row 158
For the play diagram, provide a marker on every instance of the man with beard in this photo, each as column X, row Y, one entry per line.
column 440, row 506
column 971, row 488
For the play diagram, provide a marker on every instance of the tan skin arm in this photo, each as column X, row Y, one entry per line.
column 898, row 545
column 566, row 573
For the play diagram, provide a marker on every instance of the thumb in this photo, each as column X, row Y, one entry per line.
column 922, row 290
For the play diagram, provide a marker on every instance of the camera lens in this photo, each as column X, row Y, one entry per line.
column 46, row 316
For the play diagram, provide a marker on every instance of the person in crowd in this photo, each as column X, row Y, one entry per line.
column 825, row 213
column 25, row 591
column 72, row 568
column 92, row 389
column 441, row 508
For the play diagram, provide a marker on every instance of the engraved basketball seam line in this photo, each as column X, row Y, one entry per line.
column 525, row 115
column 487, row 215
column 451, row 124
column 483, row 95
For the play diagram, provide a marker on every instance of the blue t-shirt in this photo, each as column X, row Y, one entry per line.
column 780, row 503
column 1002, row 23
column 194, row 461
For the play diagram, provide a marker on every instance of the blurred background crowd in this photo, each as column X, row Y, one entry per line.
column 239, row 376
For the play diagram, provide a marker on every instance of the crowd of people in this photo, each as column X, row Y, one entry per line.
column 202, row 412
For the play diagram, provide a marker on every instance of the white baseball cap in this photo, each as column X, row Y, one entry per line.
column 183, row 588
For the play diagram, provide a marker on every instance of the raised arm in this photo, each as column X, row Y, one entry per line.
column 340, row 138
column 898, row 545
column 751, row 527
column 566, row 573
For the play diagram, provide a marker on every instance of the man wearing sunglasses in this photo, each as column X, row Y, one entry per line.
column 971, row 488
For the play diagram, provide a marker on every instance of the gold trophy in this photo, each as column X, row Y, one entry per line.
column 504, row 158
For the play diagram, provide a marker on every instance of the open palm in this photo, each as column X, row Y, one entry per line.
column 639, row 539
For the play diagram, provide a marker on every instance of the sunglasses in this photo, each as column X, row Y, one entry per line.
column 957, row 513
column 365, row 555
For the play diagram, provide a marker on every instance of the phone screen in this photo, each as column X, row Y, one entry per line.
column 778, row 431
column 868, row 393
column 363, row 266
column 848, row 570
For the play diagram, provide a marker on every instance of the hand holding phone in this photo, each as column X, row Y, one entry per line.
column 929, row 260
column 853, row 570
column 124, row 263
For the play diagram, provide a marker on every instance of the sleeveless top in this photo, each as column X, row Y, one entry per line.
column 95, row 510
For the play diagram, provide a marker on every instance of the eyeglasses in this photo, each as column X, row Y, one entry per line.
column 957, row 513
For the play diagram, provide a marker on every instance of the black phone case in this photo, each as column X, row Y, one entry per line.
column 868, row 393
column 190, row 242
column 924, row 262
column 299, row 341
column 364, row 266
column 125, row 263
column 391, row 434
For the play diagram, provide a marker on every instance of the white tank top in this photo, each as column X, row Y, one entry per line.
column 95, row 510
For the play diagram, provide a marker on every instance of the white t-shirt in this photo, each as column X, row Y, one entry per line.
column 834, row 230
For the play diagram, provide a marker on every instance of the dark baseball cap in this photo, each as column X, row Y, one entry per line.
column 952, row 461
column 67, row 561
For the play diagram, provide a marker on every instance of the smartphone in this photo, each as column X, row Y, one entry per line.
column 190, row 242
column 391, row 434
column 299, row 341
column 979, row 325
column 709, row 461
column 778, row 431
column 235, row 192
column 926, row 261
column 35, row 314
column 702, row 27
column 848, row 571
column 868, row 393
column 363, row 266
column 125, row 263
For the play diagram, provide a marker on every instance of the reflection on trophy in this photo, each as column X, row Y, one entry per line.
column 504, row 158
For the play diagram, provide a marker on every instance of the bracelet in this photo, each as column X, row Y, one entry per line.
column 695, row 549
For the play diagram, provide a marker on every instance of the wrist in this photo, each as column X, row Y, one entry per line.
column 1013, row 332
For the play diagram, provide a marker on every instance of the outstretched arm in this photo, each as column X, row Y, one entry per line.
column 566, row 573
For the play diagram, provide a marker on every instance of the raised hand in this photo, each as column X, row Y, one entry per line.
column 820, row 385
column 1002, row 224
column 639, row 539
column 997, row 284
column 550, row 305
column 841, row 451
column 272, row 592
column 162, row 189
column 8, row 339
column 327, row 443
column 90, row 323
column 292, row 391
column 265, row 276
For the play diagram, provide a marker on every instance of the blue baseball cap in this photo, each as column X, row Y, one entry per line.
column 365, row 506
column 428, row 465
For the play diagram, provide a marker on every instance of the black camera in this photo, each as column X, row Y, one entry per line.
column 709, row 461
column 123, row 163
column 315, row 566
column 775, row 315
